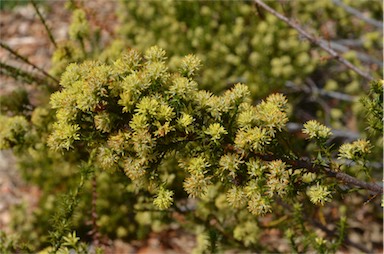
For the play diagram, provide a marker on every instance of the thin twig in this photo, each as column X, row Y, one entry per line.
column 330, row 94
column 360, row 55
column 315, row 41
column 18, row 74
column 350, row 180
column 358, row 14
column 25, row 60
column 44, row 23
column 343, row 177
column 350, row 42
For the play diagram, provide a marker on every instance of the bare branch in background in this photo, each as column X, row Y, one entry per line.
column 25, row 60
column 358, row 14
column 360, row 55
column 19, row 74
column 330, row 94
column 44, row 23
column 342, row 177
column 316, row 41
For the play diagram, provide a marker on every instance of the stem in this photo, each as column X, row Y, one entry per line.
column 358, row 14
column 343, row 177
column 25, row 60
column 315, row 41
column 18, row 74
column 44, row 23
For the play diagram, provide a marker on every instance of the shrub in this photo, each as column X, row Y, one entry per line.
column 136, row 142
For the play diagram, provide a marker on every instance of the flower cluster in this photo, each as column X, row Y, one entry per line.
column 355, row 151
column 164, row 199
column 319, row 194
column 316, row 131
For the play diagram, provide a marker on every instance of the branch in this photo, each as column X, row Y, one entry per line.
column 315, row 90
column 360, row 55
column 44, row 23
column 358, row 14
column 343, row 177
column 315, row 41
column 18, row 74
column 25, row 60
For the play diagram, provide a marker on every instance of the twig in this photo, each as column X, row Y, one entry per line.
column 331, row 94
column 201, row 221
column 350, row 180
column 360, row 55
column 358, row 14
column 315, row 41
column 349, row 42
column 25, row 60
column 343, row 177
column 44, row 23
column 314, row 98
column 18, row 74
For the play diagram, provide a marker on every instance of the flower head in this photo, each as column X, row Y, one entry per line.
column 319, row 194
column 357, row 150
column 216, row 131
column 164, row 199
column 315, row 130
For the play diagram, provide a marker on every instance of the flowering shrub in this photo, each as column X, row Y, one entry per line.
column 136, row 142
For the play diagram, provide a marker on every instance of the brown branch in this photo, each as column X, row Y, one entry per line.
column 315, row 41
column 44, row 23
column 343, row 177
column 359, row 15
column 25, row 60
column 19, row 74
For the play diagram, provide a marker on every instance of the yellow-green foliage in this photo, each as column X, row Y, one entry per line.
column 137, row 117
